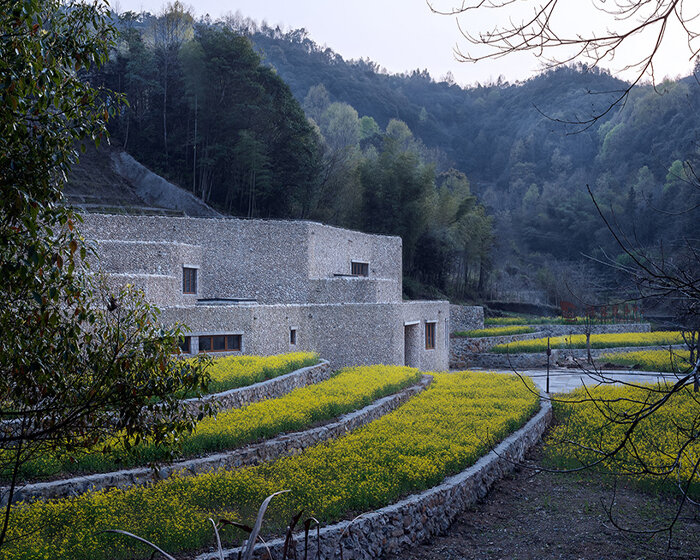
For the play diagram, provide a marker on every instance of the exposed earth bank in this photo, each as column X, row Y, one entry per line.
column 535, row 514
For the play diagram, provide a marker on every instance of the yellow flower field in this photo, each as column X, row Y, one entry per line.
column 349, row 390
column 441, row 431
column 660, row 338
column 230, row 372
column 495, row 331
column 665, row 442
column 652, row 360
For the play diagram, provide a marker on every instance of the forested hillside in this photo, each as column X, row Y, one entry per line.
column 265, row 123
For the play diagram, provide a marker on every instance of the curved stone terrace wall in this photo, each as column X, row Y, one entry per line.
column 461, row 348
column 263, row 390
column 416, row 518
column 578, row 328
column 269, row 450
column 534, row 360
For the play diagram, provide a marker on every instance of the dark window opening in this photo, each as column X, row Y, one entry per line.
column 189, row 280
column 359, row 268
column 220, row 343
column 292, row 336
column 430, row 336
column 186, row 344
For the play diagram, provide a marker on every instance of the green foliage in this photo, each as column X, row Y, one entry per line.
column 78, row 362
column 241, row 142
column 503, row 137
column 228, row 129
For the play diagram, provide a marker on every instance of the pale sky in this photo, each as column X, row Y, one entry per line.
column 402, row 35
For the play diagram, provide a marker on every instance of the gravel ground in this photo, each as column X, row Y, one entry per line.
column 535, row 514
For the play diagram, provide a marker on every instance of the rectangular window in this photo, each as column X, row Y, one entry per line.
column 429, row 336
column 189, row 280
column 292, row 336
column 358, row 268
column 186, row 345
column 220, row 343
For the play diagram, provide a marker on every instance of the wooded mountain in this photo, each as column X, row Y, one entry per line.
column 217, row 108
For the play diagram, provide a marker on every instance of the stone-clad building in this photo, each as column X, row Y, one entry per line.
column 267, row 287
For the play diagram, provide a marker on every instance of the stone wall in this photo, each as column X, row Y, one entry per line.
column 268, row 389
column 459, row 344
column 463, row 350
column 268, row 450
column 534, row 360
column 332, row 249
column 501, row 361
column 267, row 261
column 466, row 318
column 577, row 328
column 347, row 334
column 419, row 517
column 414, row 315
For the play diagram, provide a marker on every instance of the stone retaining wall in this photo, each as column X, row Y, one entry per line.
column 533, row 360
column 503, row 361
column 269, row 450
column 263, row 390
column 578, row 328
column 461, row 348
column 419, row 517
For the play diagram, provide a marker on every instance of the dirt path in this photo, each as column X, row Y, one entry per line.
column 534, row 514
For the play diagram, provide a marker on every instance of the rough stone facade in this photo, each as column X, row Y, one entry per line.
column 466, row 317
column 417, row 518
column 255, row 454
column 279, row 285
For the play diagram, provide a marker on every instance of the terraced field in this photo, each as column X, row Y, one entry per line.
column 437, row 433
column 633, row 339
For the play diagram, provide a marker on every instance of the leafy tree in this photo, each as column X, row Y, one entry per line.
column 79, row 364
column 167, row 33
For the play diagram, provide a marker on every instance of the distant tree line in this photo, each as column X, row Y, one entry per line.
column 528, row 168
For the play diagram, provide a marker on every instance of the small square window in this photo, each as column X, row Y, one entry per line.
column 189, row 280
column 429, row 336
column 358, row 268
column 292, row 336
